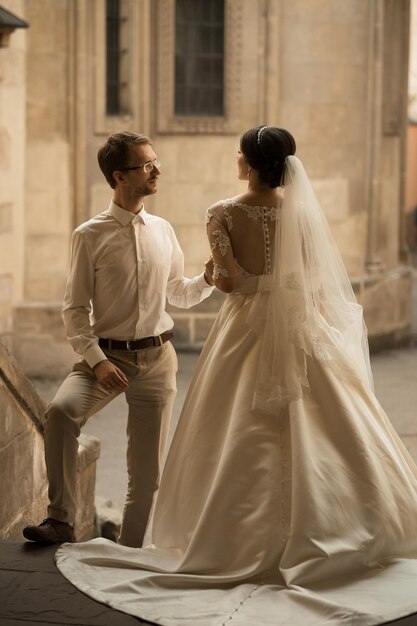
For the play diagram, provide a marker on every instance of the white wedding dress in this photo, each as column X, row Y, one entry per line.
column 303, row 518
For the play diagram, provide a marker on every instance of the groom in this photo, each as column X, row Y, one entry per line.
column 124, row 264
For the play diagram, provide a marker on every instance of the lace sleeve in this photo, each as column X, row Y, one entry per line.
column 225, row 272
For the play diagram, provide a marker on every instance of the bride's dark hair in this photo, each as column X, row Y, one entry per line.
column 265, row 148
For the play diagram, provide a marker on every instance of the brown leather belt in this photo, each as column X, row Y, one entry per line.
column 135, row 344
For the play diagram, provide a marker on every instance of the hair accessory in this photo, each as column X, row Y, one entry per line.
column 260, row 131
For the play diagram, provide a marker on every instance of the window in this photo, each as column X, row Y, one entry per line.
column 199, row 57
column 120, row 32
column 117, row 58
column 199, row 54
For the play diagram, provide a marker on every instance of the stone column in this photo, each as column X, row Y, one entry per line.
column 77, row 24
column 373, row 262
column 271, row 79
column 403, row 248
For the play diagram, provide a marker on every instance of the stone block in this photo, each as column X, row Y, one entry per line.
column 88, row 453
column 194, row 243
column 5, row 148
column 203, row 326
column 336, row 160
column 296, row 41
column 350, row 237
column 43, row 356
column 6, row 210
column 48, row 31
column 322, row 131
column 334, row 11
column 100, row 198
column 16, row 463
column 46, row 267
column 39, row 319
column 307, row 10
column 5, row 288
column 387, row 304
column 40, row 343
column 10, row 262
column 23, row 390
column 46, row 108
column 6, row 338
column 48, row 213
column 322, row 82
column 183, row 330
column 295, row 117
column 12, row 422
column 326, row 36
column 186, row 208
column 6, row 283
column 333, row 195
column 357, row 196
column 49, row 161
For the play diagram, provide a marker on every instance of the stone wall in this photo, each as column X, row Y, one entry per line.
column 12, row 171
column 332, row 72
column 23, row 488
column 49, row 188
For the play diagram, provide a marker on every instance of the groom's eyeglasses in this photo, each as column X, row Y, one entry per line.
column 147, row 167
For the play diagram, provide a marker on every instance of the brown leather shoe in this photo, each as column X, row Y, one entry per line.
column 50, row 531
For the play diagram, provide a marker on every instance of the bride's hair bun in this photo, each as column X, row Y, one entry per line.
column 266, row 148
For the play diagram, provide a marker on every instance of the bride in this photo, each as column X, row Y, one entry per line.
column 287, row 499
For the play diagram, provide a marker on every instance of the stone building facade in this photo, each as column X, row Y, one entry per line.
column 333, row 72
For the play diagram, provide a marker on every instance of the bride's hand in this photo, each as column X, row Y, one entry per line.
column 208, row 274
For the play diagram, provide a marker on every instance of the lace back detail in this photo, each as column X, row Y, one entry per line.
column 245, row 232
column 258, row 214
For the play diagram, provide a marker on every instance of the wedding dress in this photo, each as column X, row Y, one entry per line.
column 287, row 498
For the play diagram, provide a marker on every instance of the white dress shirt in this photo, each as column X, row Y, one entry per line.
column 123, row 269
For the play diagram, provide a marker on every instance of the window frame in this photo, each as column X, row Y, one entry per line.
column 138, row 46
column 167, row 120
column 188, row 59
column 121, row 65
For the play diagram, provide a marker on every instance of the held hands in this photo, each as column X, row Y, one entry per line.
column 110, row 376
column 208, row 273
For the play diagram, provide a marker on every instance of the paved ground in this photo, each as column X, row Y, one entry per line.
column 34, row 593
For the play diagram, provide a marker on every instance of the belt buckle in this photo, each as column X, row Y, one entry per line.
column 129, row 344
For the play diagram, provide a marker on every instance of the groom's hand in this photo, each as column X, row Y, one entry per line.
column 110, row 376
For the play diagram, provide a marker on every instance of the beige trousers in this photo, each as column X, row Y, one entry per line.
column 150, row 396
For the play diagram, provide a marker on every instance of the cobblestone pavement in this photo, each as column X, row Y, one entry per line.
column 395, row 375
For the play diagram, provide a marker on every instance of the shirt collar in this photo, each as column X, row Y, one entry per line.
column 126, row 217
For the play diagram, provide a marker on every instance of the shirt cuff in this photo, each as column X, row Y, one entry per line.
column 94, row 355
column 202, row 286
